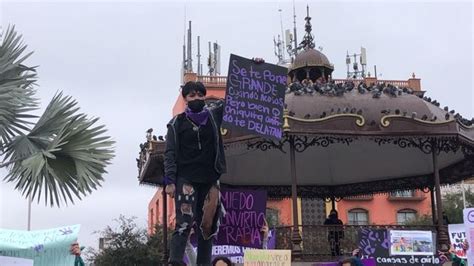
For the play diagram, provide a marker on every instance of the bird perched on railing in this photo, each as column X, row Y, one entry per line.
column 149, row 136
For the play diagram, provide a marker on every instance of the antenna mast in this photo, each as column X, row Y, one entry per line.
column 189, row 60
column 199, row 67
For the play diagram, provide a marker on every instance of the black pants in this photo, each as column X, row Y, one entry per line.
column 335, row 246
column 189, row 201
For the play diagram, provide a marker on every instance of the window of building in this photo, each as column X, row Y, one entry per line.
column 272, row 217
column 403, row 216
column 358, row 217
column 403, row 194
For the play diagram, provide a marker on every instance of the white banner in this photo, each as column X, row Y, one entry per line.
column 11, row 261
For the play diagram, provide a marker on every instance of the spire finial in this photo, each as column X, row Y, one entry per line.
column 308, row 40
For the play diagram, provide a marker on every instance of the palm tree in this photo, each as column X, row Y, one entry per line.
column 64, row 154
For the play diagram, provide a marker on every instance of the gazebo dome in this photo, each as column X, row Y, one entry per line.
column 311, row 58
column 376, row 105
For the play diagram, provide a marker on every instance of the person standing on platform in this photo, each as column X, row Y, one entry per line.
column 335, row 232
column 194, row 161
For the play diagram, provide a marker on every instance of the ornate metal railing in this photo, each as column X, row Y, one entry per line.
column 213, row 80
column 218, row 81
column 316, row 246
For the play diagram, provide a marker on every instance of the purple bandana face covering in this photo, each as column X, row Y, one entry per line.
column 199, row 118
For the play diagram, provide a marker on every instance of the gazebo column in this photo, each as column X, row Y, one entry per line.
column 333, row 203
column 295, row 236
column 433, row 206
column 443, row 238
column 165, row 225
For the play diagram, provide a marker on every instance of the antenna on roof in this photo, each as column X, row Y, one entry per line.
column 189, row 59
column 282, row 38
column 199, row 66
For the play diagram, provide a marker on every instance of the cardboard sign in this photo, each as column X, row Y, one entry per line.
column 404, row 242
column 48, row 247
column 244, row 218
column 234, row 253
column 255, row 97
column 457, row 236
column 270, row 257
column 469, row 229
column 12, row 261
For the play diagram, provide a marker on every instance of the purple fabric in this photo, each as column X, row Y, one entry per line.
column 366, row 262
column 167, row 180
column 198, row 118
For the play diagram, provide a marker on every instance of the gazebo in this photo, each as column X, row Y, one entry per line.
column 344, row 138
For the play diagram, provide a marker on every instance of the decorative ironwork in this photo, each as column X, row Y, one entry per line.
column 265, row 144
column 385, row 120
column 467, row 150
column 359, row 119
column 447, row 145
column 224, row 131
column 424, row 144
column 304, row 142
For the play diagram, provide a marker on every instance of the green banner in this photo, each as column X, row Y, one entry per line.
column 48, row 247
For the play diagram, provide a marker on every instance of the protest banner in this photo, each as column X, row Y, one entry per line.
column 375, row 243
column 404, row 242
column 270, row 257
column 457, row 236
column 234, row 253
column 48, row 247
column 255, row 96
column 244, row 219
column 12, row 261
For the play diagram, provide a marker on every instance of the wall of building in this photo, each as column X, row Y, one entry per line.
column 382, row 209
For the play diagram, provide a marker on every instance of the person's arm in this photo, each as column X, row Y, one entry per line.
column 170, row 161
column 217, row 109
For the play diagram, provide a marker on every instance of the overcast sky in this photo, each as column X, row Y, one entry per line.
column 121, row 61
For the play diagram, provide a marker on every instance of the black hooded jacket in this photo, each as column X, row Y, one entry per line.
column 172, row 143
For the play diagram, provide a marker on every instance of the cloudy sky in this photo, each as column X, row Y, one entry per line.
column 121, row 61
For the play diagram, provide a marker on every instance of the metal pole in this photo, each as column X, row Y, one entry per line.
column 165, row 226
column 295, row 236
column 29, row 212
column 443, row 238
column 463, row 194
column 433, row 206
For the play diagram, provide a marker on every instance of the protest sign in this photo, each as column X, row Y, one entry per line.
column 375, row 243
column 404, row 242
column 48, row 247
column 255, row 96
column 234, row 253
column 270, row 257
column 245, row 216
column 469, row 229
column 12, row 261
column 457, row 236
